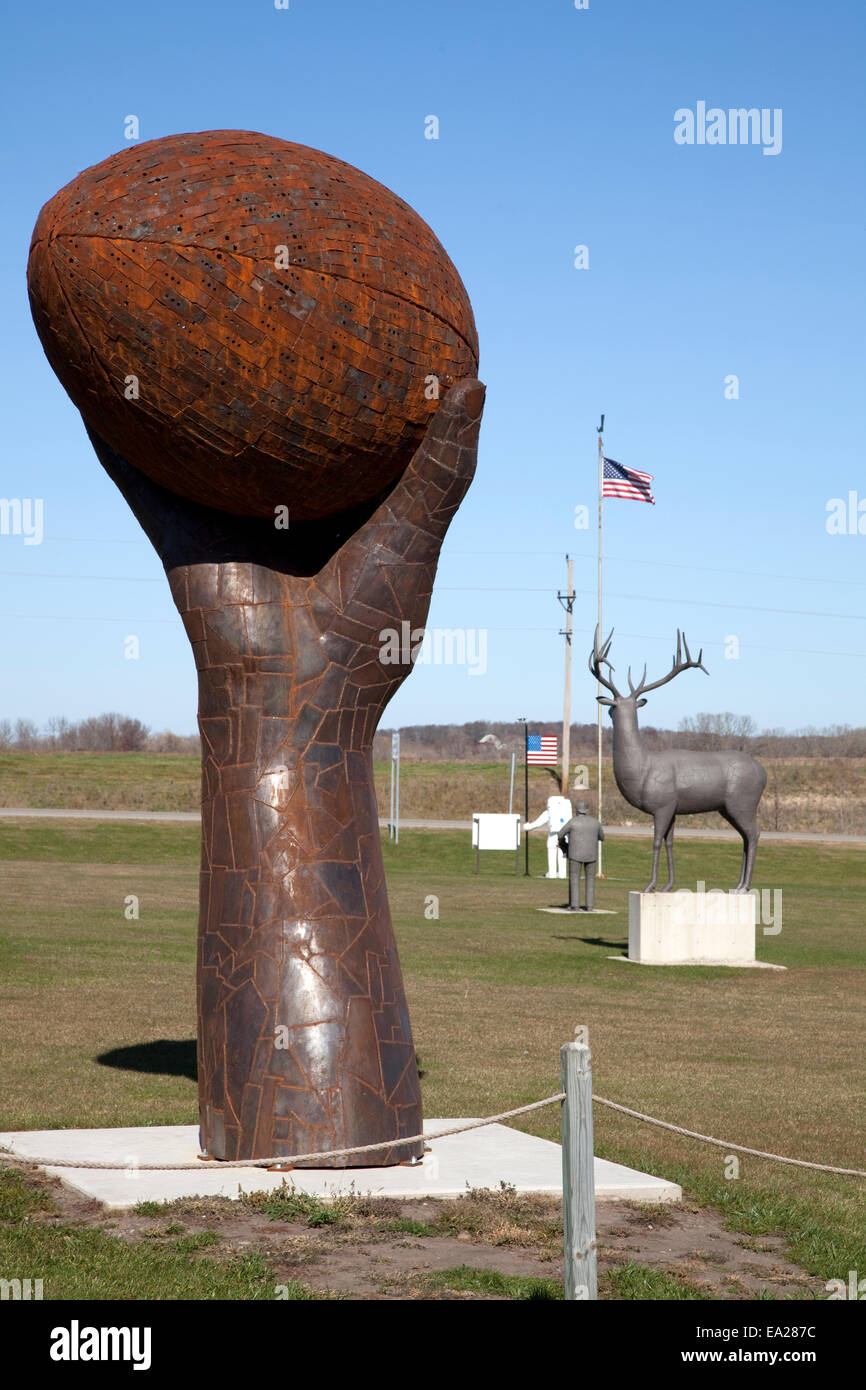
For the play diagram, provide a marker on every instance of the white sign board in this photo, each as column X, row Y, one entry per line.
column 496, row 831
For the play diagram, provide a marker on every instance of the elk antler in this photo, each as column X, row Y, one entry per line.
column 677, row 666
column 597, row 659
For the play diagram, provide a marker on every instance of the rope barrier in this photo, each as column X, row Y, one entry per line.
column 288, row 1160
column 723, row 1144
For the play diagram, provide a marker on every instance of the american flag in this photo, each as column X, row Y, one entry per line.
column 541, row 749
column 618, row 481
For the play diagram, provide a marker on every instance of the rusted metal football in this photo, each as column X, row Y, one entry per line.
column 250, row 322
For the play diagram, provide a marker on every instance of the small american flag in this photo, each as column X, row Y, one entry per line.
column 618, row 481
column 541, row 749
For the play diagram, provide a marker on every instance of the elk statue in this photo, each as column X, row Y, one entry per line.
column 678, row 781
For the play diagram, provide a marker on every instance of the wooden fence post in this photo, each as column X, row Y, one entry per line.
column 578, row 1178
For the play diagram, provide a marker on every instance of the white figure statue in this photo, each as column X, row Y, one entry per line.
column 559, row 812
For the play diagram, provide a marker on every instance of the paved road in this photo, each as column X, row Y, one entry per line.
column 644, row 832
column 634, row 832
column 44, row 813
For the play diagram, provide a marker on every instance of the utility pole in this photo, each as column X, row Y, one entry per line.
column 394, row 822
column 567, row 601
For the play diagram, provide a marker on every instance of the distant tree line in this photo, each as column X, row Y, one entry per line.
column 485, row 741
column 480, row 741
column 101, row 733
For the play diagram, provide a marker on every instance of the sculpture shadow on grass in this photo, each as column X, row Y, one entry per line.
column 165, row 1057
column 592, row 940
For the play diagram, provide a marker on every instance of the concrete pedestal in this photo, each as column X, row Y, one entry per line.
column 686, row 928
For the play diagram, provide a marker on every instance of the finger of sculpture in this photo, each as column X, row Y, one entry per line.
column 401, row 540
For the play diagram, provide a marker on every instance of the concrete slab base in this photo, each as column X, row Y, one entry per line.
column 481, row 1158
column 729, row 964
column 581, row 912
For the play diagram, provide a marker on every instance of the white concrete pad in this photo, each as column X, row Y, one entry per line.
column 729, row 964
column 581, row 911
column 479, row 1158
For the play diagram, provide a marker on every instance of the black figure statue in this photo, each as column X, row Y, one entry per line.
column 579, row 839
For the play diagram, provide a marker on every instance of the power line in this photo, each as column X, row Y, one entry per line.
column 650, row 637
column 673, row 564
column 98, row 540
column 580, row 555
column 547, row 631
column 651, row 598
column 743, row 607
column 98, row 578
column 81, row 618
column 477, row 589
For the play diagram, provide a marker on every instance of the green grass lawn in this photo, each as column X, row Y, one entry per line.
column 87, row 1264
column 172, row 782
column 101, row 781
column 772, row 1060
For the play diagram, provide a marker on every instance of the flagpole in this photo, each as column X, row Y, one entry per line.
column 566, row 704
column 600, row 632
column 525, row 796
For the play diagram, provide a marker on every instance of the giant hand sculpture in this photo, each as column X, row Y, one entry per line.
column 304, row 1036
column 256, row 333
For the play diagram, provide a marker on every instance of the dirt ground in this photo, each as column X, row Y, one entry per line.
column 368, row 1253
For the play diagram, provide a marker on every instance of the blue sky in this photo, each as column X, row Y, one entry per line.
column 556, row 130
